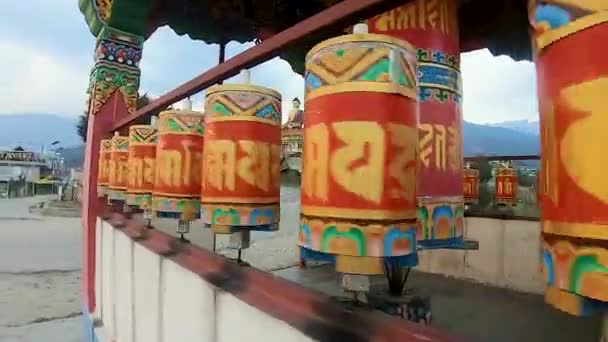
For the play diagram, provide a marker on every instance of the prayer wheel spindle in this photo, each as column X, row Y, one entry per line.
column 177, row 180
column 360, row 156
column 241, row 162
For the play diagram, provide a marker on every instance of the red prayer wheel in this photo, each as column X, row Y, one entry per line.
column 103, row 172
column 142, row 163
column 242, row 158
column 360, row 153
column 471, row 185
column 432, row 27
column 118, row 169
column 572, row 74
column 505, row 186
column 179, row 155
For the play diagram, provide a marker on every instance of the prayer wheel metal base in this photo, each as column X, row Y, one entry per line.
column 358, row 265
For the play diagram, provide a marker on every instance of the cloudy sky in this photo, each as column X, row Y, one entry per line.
column 47, row 55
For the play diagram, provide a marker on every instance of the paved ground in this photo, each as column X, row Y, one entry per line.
column 39, row 275
column 477, row 312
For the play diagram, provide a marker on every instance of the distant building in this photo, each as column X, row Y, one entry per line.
column 18, row 171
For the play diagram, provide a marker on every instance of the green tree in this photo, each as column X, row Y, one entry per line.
column 81, row 126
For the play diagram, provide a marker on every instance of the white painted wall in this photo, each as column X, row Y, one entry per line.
column 145, row 297
column 508, row 255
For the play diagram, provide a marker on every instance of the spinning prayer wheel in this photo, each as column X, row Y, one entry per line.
column 432, row 27
column 471, row 185
column 103, row 173
column 242, row 158
column 118, row 169
column 142, row 160
column 360, row 154
column 572, row 73
column 179, row 155
column 505, row 189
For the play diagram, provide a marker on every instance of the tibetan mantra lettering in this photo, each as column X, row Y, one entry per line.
column 419, row 15
column 440, row 148
column 573, row 130
column 142, row 156
column 178, row 159
column 371, row 175
column 241, row 176
column 179, row 156
column 360, row 154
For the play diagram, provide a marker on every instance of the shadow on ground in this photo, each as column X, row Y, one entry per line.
column 475, row 311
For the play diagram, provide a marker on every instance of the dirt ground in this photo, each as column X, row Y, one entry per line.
column 39, row 275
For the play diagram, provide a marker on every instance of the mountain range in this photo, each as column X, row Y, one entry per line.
column 33, row 131
column 524, row 126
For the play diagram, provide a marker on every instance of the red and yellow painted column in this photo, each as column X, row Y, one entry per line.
column 242, row 159
column 432, row 27
column 572, row 73
column 103, row 175
column 179, row 158
column 118, row 169
column 142, row 163
column 360, row 154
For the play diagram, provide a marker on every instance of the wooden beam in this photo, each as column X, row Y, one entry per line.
column 337, row 17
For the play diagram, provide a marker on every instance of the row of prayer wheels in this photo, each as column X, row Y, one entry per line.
column 359, row 204
column 221, row 167
column 505, row 185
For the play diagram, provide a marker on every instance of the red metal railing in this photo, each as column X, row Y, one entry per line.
column 337, row 17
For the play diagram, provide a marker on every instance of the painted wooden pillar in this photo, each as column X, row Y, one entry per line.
column 432, row 27
column 113, row 88
column 572, row 74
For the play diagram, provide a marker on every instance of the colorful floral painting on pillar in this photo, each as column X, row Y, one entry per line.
column 116, row 68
